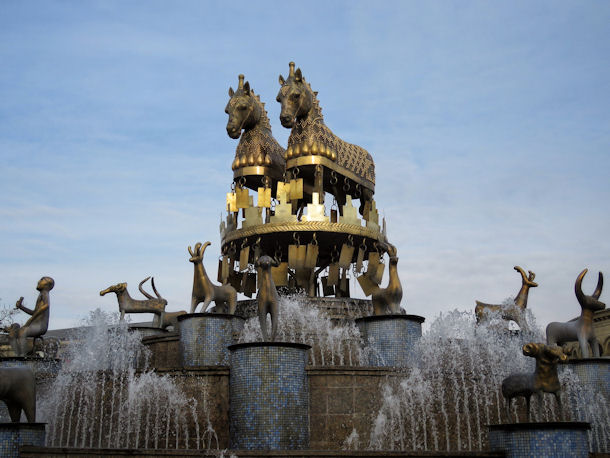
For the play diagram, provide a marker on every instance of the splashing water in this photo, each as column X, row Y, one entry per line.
column 104, row 397
column 333, row 344
column 453, row 392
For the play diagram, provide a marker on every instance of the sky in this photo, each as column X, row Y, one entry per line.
column 489, row 123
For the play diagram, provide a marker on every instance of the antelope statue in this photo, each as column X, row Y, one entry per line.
column 18, row 391
column 515, row 311
column 224, row 296
column 257, row 147
column 543, row 380
column 387, row 300
column 309, row 136
column 129, row 305
column 580, row 329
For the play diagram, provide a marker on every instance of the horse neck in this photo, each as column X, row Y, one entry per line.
column 544, row 370
column 394, row 272
column 124, row 297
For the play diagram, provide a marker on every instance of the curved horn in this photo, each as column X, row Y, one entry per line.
column 600, row 285
column 205, row 245
column 191, row 251
column 152, row 281
column 522, row 272
column 142, row 290
column 578, row 286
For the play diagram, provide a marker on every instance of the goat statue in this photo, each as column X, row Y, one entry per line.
column 38, row 323
column 387, row 300
column 224, row 296
column 580, row 329
column 129, row 305
column 544, row 379
column 267, row 298
column 514, row 311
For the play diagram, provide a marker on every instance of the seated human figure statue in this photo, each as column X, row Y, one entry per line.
column 38, row 323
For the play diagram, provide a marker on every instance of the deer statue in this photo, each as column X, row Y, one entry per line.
column 387, row 300
column 580, row 329
column 514, row 311
column 129, row 305
column 267, row 298
column 543, row 380
column 37, row 324
column 309, row 136
column 224, row 296
column 257, row 147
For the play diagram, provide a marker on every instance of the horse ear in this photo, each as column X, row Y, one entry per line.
column 281, row 80
column 298, row 77
column 247, row 88
column 231, row 92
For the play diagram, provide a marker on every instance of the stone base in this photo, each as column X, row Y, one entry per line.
column 14, row 435
column 269, row 396
column 204, row 338
column 559, row 439
column 390, row 339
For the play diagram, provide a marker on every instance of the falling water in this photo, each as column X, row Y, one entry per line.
column 333, row 344
column 104, row 396
column 445, row 402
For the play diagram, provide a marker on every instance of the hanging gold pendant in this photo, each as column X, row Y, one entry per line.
column 296, row 256
column 231, row 202
column 360, row 259
column 367, row 285
column 327, row 290
column 283, row 192
column 280, row 274
column 373, row 264
column 250, row 286
column 345, row 258
column 264, row 198
column 243, row 197
column 311, row 259
column 333, row 274
column 244, row 254
column 219, row 274
column 296, row 189
column 334, row 215
column 225, row 270
column 378, row 274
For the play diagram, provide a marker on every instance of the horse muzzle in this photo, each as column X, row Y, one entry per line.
column 233, row 132
column 287, row 121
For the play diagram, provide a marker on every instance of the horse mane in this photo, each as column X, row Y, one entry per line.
column 316, row 103
column 264, row 121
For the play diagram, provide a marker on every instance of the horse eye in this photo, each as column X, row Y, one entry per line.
column 295, row 96
column 242, row 107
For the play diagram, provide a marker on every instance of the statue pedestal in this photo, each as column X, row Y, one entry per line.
column 593, row 373
column 204, row 338
column 268, row 396
column 540, row 439
column 14, row 435
column 391, row 339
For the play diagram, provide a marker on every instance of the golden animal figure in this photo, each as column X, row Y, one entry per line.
column 37, row 324
column 514, row 311
column 257, row 146
column 544, row 379
column 224, row 296
column 580, row 329
column 310, row 137
column 127, row 304
column 387, row 300
column 267, row 298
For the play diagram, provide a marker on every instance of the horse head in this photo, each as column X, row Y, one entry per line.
column 295, row 96
column 118, row 289
column 243, row 108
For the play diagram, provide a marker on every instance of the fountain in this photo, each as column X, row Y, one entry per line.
column 304, row 366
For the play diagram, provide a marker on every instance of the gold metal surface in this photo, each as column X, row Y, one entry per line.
column 242, row 197
column 257, row 150
column 309, row 135
column 333, row 274
column 296, row 189
column 231, row 202
column 315, row 211
column 387, row 300
column 315, row 160
column 368, row 287
column 253, row 217
column 264, row 198
column 345, row 258
column 350, row 214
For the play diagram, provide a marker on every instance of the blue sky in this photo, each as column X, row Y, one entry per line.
column 489, row 123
